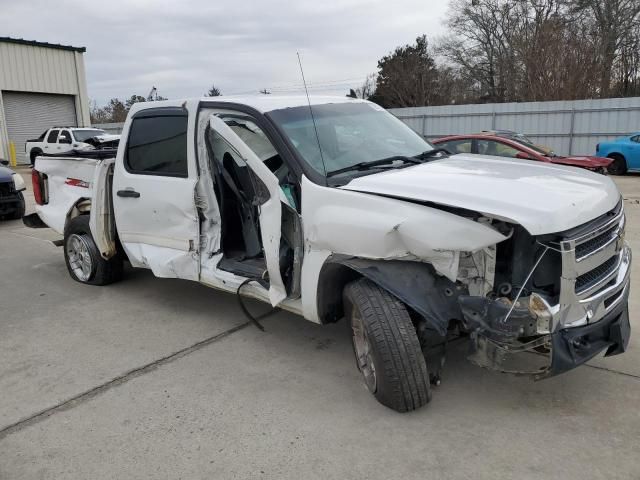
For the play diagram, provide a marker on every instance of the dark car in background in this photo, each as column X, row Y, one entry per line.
column 486, row 144
column 11, row 188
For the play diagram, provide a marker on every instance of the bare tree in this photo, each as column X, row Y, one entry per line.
column 366, row 90
column 480, row 43
column 615, row 24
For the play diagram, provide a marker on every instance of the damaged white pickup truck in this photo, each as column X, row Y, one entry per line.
column 337, row 209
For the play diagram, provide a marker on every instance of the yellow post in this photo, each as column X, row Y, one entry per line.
column 12, row 154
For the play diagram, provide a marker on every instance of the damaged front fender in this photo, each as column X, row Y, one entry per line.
column 417, row 285
column 371, row 226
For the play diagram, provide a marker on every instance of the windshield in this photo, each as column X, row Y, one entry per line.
column 82, row 135
column 349, row 133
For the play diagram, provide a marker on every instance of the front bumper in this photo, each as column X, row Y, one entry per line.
column 571, row 347
column 10, row 204
column 575, row 333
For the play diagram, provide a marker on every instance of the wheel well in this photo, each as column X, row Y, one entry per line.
column 333, row 278
column 415, row 284
column 81, row 207
column 616, row 155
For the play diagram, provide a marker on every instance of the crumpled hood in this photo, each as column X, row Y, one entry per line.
column 541, row 197
column 5, row 174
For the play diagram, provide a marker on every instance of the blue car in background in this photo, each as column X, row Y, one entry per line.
column 625, row 152
column 11, row 188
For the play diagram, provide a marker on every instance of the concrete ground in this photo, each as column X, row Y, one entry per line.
column 153, row 378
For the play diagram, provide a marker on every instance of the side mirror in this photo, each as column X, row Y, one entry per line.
column 4, row 162
column 523, row 156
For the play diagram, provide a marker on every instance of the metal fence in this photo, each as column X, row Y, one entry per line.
column 569, row 127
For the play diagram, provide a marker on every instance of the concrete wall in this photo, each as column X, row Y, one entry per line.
column 571, row 127
column 42, row 69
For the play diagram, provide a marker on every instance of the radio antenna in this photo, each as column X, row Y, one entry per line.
column 313, row 119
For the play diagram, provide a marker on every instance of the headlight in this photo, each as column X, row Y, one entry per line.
column 18, row 181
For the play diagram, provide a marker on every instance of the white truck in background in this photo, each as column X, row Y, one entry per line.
column 347, row 213
column 57, row 140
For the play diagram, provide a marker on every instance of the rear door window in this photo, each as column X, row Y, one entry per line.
column 157, row 145
column 53, row 136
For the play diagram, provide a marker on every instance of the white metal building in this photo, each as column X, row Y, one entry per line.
column 41, row 85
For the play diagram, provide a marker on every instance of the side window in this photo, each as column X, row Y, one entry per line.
column 456, row 146
column 53, row 136
column 158, row 146
column 636, row 139
column 65, row 137
column 491, row 147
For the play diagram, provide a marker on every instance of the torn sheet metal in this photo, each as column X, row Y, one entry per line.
column 102, row 222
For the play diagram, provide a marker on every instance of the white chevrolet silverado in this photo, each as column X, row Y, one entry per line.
column 57, row 140
column 334, row 208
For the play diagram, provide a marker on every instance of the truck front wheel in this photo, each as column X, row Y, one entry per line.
column 386, row 347
column 84, row 263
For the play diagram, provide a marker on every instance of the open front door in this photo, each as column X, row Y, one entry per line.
column 266, row 197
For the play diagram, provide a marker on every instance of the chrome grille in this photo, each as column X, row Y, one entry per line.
column 597, row 275
column 586, row 248
column 591, row 255
column 595, row 270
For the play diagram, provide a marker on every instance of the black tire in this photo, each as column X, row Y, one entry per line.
column 19, row 213
column 400, row 370
column 33, row 155
column 618, row 166
column 101, row 271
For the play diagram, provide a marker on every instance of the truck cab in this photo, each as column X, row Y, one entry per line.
column 332, row 208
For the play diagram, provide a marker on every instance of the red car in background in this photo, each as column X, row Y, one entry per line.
column 485, row 144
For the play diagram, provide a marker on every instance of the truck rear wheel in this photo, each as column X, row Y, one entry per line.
column 386, row 347
column 84, row 263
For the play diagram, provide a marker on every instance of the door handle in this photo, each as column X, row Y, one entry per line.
column 128, row 193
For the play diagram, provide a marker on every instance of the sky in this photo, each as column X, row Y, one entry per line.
column 182, row 47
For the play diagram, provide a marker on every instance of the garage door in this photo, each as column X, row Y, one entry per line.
column 29, row 114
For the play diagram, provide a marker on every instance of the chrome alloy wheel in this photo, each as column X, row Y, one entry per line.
column 79, row 257
column 363, row 351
